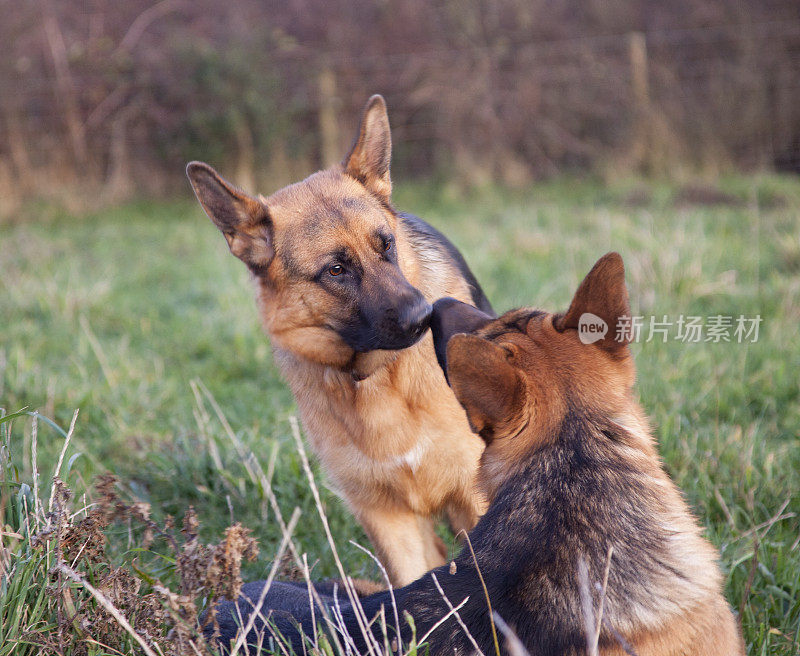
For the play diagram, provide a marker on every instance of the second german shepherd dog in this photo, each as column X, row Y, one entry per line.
column 345, row 285
column 573, row 475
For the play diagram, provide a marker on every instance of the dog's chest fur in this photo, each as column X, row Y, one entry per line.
column 379, row 439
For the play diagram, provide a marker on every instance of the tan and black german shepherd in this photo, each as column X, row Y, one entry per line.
column 572, row 473
column 345, row 285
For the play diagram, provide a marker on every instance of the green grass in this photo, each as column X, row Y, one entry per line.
column 120, row 313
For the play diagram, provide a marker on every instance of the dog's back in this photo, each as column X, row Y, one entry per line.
column 573, row 476
column 578, row 497
column 433, row 249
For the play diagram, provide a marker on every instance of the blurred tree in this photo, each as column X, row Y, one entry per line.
column 118, row 96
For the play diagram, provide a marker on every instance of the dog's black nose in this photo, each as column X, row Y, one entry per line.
column 415, row 319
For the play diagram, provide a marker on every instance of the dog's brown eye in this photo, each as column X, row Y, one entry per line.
column 336, row 270
column 387, row 245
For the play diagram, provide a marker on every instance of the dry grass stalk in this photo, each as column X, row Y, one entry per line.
column 35, row 467
column 262, row 479
column 513, row 643
column 485, row 593
column 389, row 585
column 265, row 589
column 586, row 606
column 750, row 575
column 602, row 598
column 454, row 612
column 110, row 608
column 57, row 471
column 372, row 645
column 591, row 626
column 164, row 621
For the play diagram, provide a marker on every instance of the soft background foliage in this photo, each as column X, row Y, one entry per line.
column 117, row 97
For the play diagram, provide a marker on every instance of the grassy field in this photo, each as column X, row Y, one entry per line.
column 140, row 318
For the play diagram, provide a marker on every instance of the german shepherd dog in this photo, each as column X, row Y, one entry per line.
column 345, row 285
column 573, row 476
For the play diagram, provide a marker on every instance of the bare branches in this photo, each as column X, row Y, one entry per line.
column 143, row 21
column 504, row 104
column 66, row 88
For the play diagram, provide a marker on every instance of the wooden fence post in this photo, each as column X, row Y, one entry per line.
column 66, row 90
column 330, row 142
column 642, row 115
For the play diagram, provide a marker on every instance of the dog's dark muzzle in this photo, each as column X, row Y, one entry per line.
column 390, row 327
column 402, row 327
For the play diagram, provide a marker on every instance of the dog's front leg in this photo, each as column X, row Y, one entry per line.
column 404, row 542
column 463, row 515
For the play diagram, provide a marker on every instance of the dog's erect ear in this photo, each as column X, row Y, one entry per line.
column 368, row 160
column 244, row 220
column 487, row 385
column 603, row 294
column 449, row 318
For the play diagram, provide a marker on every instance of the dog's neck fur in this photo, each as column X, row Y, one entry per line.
column 607, row 467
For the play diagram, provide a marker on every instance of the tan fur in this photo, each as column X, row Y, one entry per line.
column 707, row 630
column 391, row 437
column 396, row 446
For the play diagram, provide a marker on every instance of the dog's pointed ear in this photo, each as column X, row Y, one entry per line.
column 487, row 385
column 369, row 158
column 244, row 220
column 604, row 295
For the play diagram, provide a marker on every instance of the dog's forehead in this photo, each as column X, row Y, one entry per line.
column 325, row 198
column 513, row 321
column 325, row 213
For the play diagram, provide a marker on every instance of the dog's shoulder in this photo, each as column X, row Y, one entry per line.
column 434, row 248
